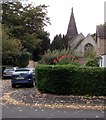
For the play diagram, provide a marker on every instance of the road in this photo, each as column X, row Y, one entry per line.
column 11, row 111
column 15, row 105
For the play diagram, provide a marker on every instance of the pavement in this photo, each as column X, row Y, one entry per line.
column 30, row 103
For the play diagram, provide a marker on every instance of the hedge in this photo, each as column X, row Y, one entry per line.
column 66, row 79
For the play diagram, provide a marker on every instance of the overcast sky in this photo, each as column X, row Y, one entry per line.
column 87, row 13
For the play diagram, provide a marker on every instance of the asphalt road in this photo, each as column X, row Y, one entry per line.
column 11, row 111
column 12, row 108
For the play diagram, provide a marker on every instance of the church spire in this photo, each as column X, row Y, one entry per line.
column 72, row 10
column 72, row 29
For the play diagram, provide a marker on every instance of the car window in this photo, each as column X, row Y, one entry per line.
column 22, row 71
column 8, row 70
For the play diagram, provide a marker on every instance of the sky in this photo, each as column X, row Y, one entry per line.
column 88, row 14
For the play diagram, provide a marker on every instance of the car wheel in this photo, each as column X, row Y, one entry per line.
column 13, row 86
column 32, row 84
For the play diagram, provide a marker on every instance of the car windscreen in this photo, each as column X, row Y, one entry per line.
column 22, row 71
column 8, row 70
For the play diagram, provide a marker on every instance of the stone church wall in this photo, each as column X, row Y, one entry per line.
column 80, row 49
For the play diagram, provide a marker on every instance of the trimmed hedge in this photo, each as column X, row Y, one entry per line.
column 66, row 79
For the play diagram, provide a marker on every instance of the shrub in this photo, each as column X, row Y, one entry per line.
column 69, row 79
column 23, row 59
column 92, row 63
column 59, row 57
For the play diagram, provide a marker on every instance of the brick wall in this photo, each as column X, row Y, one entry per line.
column 101, row 46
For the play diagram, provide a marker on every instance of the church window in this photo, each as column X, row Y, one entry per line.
column 89, row 50
column 88, row 47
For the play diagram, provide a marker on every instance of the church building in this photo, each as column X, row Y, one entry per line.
column 80, row 44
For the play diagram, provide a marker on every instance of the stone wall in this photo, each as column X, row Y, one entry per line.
column 80, row 48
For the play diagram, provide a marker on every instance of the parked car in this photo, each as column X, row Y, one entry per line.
column 23, row 76
column 33, row 71
column 7, row 73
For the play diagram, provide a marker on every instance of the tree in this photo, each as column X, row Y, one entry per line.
column 26, row 23
column 12, row 51
column 57, row 42
column 60, row 42
column 65, row 42
column 11, row 48
column 23, row 59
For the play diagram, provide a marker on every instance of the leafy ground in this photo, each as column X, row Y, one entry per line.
column 32, row 97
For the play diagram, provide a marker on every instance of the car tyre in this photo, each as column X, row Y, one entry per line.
column 13, row 86
column 32, row 84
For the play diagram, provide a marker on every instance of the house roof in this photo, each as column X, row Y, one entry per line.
column 101, row 31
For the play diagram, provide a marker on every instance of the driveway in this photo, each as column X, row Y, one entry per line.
column 30, row 103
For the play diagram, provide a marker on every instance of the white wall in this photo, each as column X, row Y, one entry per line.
column 102, row 61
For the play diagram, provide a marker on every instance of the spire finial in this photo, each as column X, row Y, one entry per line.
column 72, row 9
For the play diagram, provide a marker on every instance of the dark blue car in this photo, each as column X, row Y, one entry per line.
column 23, row 76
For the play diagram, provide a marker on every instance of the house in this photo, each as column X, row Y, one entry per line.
column 101, row 44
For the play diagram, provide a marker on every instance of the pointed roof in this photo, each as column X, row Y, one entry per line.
column 76, row 40
column 72, row 29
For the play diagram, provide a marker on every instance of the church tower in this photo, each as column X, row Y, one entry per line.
column 72, row 29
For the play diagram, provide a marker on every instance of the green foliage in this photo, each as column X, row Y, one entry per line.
column 68, row 79
column 90, row 54
column 12, row 52
column 26, row 23
column 56, row 43
column 92, row 62
column 60, row 42
column 11, row 48
column 43, row 45
column 23, row 59
column 59, row 57
column 32, row 43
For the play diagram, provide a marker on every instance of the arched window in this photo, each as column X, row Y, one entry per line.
column 89, row 47
column 89, row 50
